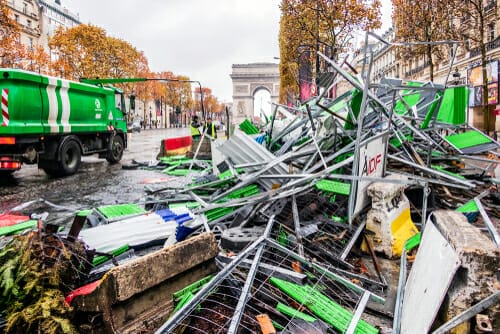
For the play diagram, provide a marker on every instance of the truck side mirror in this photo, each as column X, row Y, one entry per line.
column 132, row 102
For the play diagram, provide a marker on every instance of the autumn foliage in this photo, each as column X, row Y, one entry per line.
column 86, row 51
column 424, row 21
column 329, row 26
column 11, row 49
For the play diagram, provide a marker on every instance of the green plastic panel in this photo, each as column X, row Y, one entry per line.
column 189, row 205
column 102, row 258
column 291, row 312
column 410, row 97
column 247, row 127
column 413, row 242
column 13, row 229
column 322, row 306
column 443, row 170
column 453, row 106
column 468, row 139
column 119, row 210
column 192, row 288
column 336, row 187
column 470, row 206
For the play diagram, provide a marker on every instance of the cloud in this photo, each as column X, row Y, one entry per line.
column 197, row 38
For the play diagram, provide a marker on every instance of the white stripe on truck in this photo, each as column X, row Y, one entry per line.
column 65, row 106
column 53, row 109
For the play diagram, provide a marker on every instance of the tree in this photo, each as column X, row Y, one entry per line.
column 472, row 20
column 81, row 51
column 86, row 51
column 11, row 49
column 207, row 99
column 424, row 21
column 38, row 60
column 308, row 26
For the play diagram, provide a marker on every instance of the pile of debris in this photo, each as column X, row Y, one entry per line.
column 310, row 226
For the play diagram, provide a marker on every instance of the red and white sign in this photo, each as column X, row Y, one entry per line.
column 371, row 164
column 5, row 107
column 313, row 89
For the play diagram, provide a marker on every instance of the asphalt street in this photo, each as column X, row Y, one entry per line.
column 96, row 183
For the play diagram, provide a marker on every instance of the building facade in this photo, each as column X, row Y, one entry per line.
column 39, row 19
column 52, row 16
column 385, row 63
column 26, row 14
column 466, row 68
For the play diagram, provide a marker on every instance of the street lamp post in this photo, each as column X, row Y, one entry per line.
column 121, row 80
column 456, row 76
column 192, row 81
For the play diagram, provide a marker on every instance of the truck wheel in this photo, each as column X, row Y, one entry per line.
column 71, row 157
column 116, row 152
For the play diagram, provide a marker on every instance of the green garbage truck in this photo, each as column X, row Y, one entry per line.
column 53, row 122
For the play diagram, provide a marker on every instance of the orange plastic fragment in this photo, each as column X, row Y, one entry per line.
column 296, row 267
column 266, row 325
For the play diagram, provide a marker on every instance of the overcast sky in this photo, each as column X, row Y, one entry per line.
column 197, row 38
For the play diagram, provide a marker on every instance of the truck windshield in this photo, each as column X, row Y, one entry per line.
column 119, row 102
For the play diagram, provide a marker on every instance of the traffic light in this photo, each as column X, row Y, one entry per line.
column 132, row 102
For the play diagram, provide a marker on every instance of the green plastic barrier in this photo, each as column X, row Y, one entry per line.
column 291, row 312
column 453, row 106
column 336, row 187
column 19, row 227
column 120, row 210
column 468, row 139
column 322, row 306
column 247, row 127
column 102, row 258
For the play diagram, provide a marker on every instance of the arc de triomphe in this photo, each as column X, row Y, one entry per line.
column 247, row 80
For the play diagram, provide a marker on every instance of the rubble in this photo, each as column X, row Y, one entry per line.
column 301, row 227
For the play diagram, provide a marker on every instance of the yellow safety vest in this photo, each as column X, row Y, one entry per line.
column 213, row 133
column 194, row 131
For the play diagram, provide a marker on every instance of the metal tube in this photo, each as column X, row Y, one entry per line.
column 296, row 223
column 242, row 301
column 432, row 171
column 191, row 305
column 357, row 145
column 469, row 313
column 345, row 282
column 351, row 242
column 487, row 221
column 197, row 149
column 359, row 311
column 396, row 323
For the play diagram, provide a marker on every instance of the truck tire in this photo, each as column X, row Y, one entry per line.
column 116, row 152
column 69, row 162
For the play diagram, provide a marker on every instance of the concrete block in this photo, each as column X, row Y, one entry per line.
column 479, row 257
column 128, row 293
column 389, row 218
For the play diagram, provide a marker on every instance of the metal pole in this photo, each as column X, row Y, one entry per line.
column 296, row 222
column 357, row 315
column 201, row 98
column 396, row 324
column 357, row 147
column 345, row 282
column 191, row 305
column 242, row 301
column 479, row 307
column 487, row 221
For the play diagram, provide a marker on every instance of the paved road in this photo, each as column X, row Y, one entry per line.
column 96, row 183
